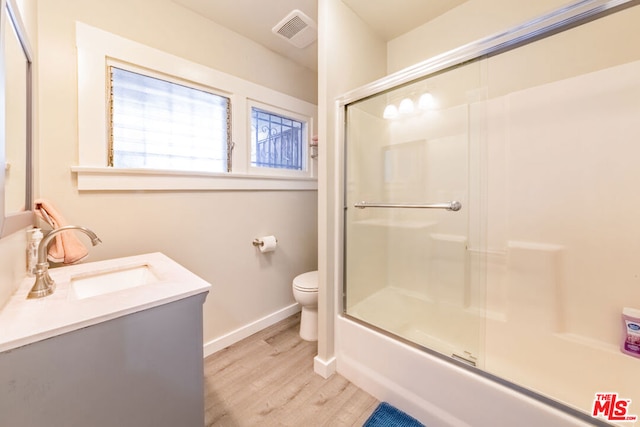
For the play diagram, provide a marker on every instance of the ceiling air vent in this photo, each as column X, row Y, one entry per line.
column 297, row 28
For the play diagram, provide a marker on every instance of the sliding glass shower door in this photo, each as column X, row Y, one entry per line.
column 538, row 143
column 412, row 213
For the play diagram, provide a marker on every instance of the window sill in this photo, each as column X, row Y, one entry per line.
column 116, row 179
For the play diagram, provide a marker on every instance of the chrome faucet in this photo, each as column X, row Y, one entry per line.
column 44, row 284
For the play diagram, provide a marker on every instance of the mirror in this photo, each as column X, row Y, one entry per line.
column 15, row 122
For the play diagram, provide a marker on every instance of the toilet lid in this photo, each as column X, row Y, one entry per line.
column 307, row 281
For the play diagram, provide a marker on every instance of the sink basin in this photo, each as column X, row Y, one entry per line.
column 112, row 280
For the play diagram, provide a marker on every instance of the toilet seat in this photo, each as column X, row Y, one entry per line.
column 307, row 282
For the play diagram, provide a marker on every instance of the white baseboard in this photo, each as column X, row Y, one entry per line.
column 249, row 329
column 324, row 368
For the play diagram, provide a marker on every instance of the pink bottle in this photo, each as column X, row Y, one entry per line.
column 631, row 338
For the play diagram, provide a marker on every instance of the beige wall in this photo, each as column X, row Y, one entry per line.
column 172, row 28
column 12, row 264
column 209, row 232
column 349, row 55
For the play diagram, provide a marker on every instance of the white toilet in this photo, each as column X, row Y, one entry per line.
column 305, row 291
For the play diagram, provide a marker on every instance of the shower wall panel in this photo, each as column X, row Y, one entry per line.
column 571, row 234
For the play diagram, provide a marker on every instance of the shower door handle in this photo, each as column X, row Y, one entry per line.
column 450, row 206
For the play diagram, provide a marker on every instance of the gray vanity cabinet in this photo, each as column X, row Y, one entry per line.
column 141, row 369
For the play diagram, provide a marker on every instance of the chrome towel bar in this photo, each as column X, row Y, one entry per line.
column 450, row 206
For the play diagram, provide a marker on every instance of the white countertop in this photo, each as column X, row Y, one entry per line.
column 24, row 321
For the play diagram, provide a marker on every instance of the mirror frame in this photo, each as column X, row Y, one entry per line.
column 11, row 222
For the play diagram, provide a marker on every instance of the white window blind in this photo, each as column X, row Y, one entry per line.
column 159, row 124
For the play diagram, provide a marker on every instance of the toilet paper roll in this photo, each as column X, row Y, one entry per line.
column 269, row 244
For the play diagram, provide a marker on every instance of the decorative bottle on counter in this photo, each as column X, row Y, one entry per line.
column 34, row 236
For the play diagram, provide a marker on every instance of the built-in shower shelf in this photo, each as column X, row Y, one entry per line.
column 590, row 342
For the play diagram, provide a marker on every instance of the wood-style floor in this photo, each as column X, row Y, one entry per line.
column 268, row 380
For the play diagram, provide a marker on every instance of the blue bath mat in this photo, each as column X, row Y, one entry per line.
column 386, row 415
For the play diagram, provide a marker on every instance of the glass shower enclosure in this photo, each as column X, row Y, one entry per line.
column 491, row 206
column 410, row 211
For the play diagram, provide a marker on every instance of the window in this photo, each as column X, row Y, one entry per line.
column 159, row 124
column 277, row 141
column 167, row 123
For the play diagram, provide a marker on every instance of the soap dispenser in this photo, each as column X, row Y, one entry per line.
column 34, row 236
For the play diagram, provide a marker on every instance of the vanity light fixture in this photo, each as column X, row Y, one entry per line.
column 427, row 101
column 406, row 106
column 390, row 112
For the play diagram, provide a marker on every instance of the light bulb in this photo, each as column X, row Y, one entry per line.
column 390, row 112
column 406, row 106
column 427, row 101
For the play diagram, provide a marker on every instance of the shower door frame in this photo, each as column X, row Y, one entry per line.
column 572, row 15
column 562, row 19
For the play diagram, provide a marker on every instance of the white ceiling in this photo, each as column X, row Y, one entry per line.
column 254, row 19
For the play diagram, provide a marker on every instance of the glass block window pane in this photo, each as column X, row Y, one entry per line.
column 276, row 141
column 158, row 124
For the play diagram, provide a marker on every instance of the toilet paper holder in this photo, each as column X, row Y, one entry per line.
column 259, row 243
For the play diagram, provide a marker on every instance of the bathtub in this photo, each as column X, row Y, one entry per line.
column 452, row 363
column 436, row 391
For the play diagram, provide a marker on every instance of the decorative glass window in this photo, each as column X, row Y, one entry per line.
column 158, row 124
column 277, row 141
column 164, row 123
